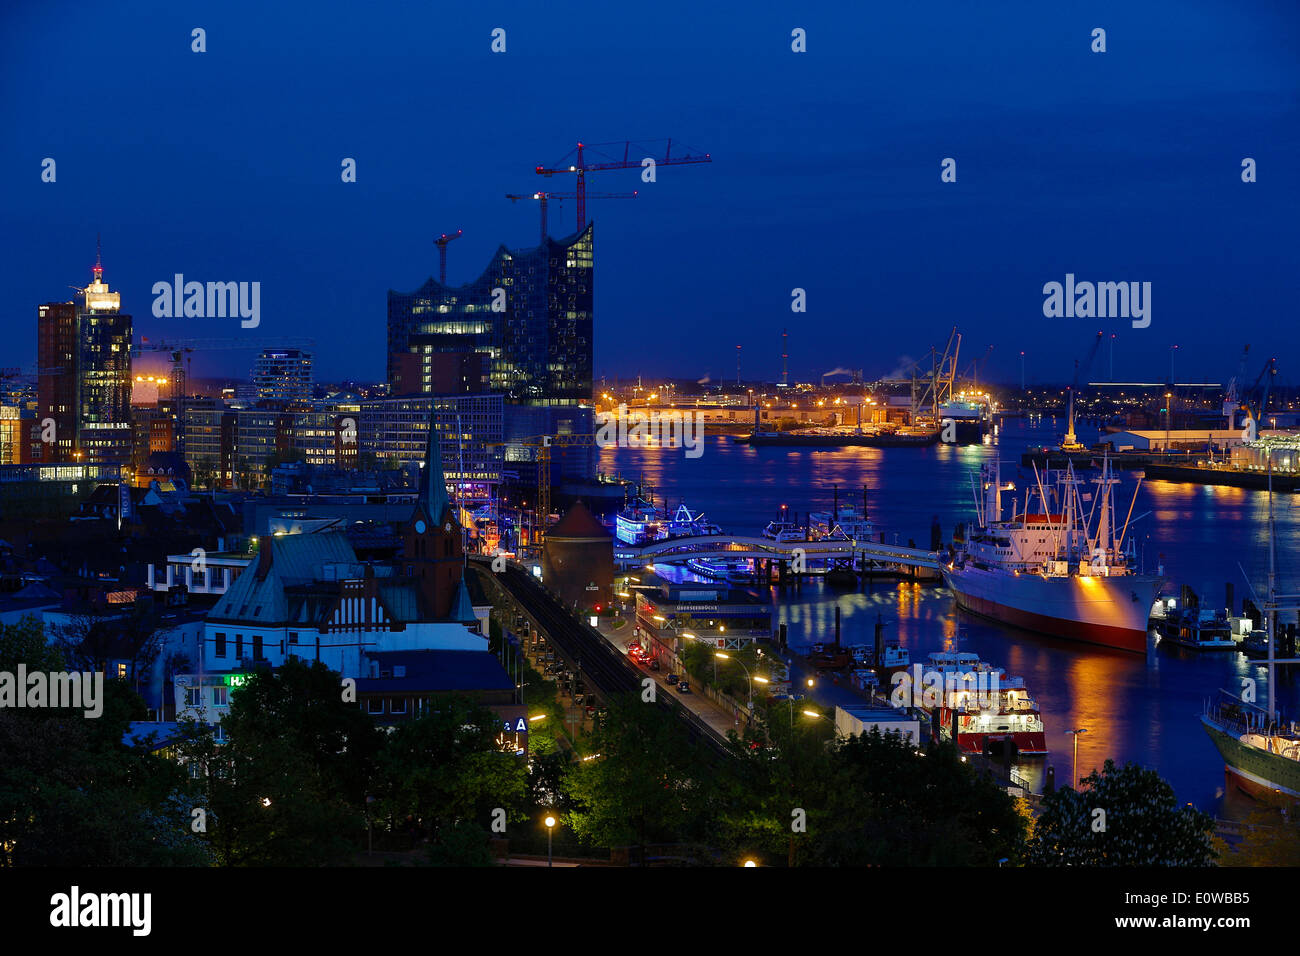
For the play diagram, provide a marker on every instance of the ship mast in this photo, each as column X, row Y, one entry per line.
column 1271, row 614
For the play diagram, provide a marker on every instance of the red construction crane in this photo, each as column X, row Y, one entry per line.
column 441, row 243
column 543, row 198
column 634, row 154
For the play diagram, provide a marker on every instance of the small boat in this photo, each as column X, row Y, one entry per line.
column 1194, row 626
column 784, row 531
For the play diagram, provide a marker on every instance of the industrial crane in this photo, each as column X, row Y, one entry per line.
column 544, row 198
column 634, row 156
column 441, row 243
column 544, row 444
column 1263, row 384
column 1071, row 442
column 1231, row 395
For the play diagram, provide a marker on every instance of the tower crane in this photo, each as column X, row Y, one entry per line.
column 1071, row 442
column 543, row 198
column 606, row 157
column 441, row 243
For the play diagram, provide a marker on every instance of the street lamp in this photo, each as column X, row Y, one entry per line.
column 750, row 863
column 725, row 657
column 550, row 830
column 1075, row 734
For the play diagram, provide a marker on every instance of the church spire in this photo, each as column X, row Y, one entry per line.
column 433, row 481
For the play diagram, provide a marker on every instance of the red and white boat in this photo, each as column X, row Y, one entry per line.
column 984, row 709
column 1062, row 570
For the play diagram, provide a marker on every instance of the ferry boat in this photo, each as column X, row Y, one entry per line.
column 1052, row 571
column 983, row 709
column 686, row 523
column 731, row 570
column 641, row 522
column 783, row 531
column 843, row 524
column 1260, row 750
column 971, row 414
column 1190, row 625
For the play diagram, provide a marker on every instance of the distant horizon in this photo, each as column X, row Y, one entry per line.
column 830, row 174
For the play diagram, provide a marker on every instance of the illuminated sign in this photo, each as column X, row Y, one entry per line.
column 236, row 680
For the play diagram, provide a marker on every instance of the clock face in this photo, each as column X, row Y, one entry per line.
column 419, row 527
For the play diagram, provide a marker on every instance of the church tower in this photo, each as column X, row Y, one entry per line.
column 432, row 552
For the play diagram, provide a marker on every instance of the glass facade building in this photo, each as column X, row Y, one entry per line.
column 538, row 341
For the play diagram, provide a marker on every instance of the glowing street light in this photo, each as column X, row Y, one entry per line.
column 550, row 830
column 1075, row 734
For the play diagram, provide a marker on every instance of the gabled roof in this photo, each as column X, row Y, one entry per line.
column 258, row 594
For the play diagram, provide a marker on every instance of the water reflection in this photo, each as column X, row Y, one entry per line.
column 1136, row 708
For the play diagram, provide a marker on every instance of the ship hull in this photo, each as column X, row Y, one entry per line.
column 1106, row 611
column 1255, row 771
column 1028, row 743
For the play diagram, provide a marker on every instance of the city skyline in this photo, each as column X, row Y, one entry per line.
column 825, row 176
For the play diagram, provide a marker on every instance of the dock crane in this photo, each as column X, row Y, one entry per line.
column 634, row 155
column 1255, row 410
column 1071, row 441
column 1231, row 399
column 441, row 243
column 543, row 198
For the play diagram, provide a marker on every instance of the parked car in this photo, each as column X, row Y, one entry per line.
column 671, row 679
column 684, row 687
column 654, row 663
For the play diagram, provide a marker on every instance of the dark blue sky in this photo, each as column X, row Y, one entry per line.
column 1116, row 166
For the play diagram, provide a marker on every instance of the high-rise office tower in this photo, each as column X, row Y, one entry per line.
column 84, row 379
column 56, row 382
column 283, row 375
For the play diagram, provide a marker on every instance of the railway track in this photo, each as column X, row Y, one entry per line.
column 603, row 669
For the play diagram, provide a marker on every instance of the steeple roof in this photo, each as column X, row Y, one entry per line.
column 433, row 480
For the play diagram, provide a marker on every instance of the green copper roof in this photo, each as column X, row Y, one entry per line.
column 433, row 481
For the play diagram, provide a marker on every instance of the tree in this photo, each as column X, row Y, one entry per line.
column 645, row 784
column 71, row 792
column 94, row 636
column 443, row 774
column 289, row 784
column 889, row 803
column 1126, row 816
column 1271, row 837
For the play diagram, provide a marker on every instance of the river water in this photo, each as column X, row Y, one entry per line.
column 1135, row 708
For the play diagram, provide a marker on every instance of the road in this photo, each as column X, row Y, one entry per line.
column 719, row 719
column 603, row 668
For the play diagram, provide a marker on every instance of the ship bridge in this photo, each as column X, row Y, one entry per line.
column 674, row 550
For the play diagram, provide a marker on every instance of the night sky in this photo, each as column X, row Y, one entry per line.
column 225, row 165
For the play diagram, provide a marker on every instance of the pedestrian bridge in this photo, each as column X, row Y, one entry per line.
column 760, row 549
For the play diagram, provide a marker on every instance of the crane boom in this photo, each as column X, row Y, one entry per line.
column 580, row 166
